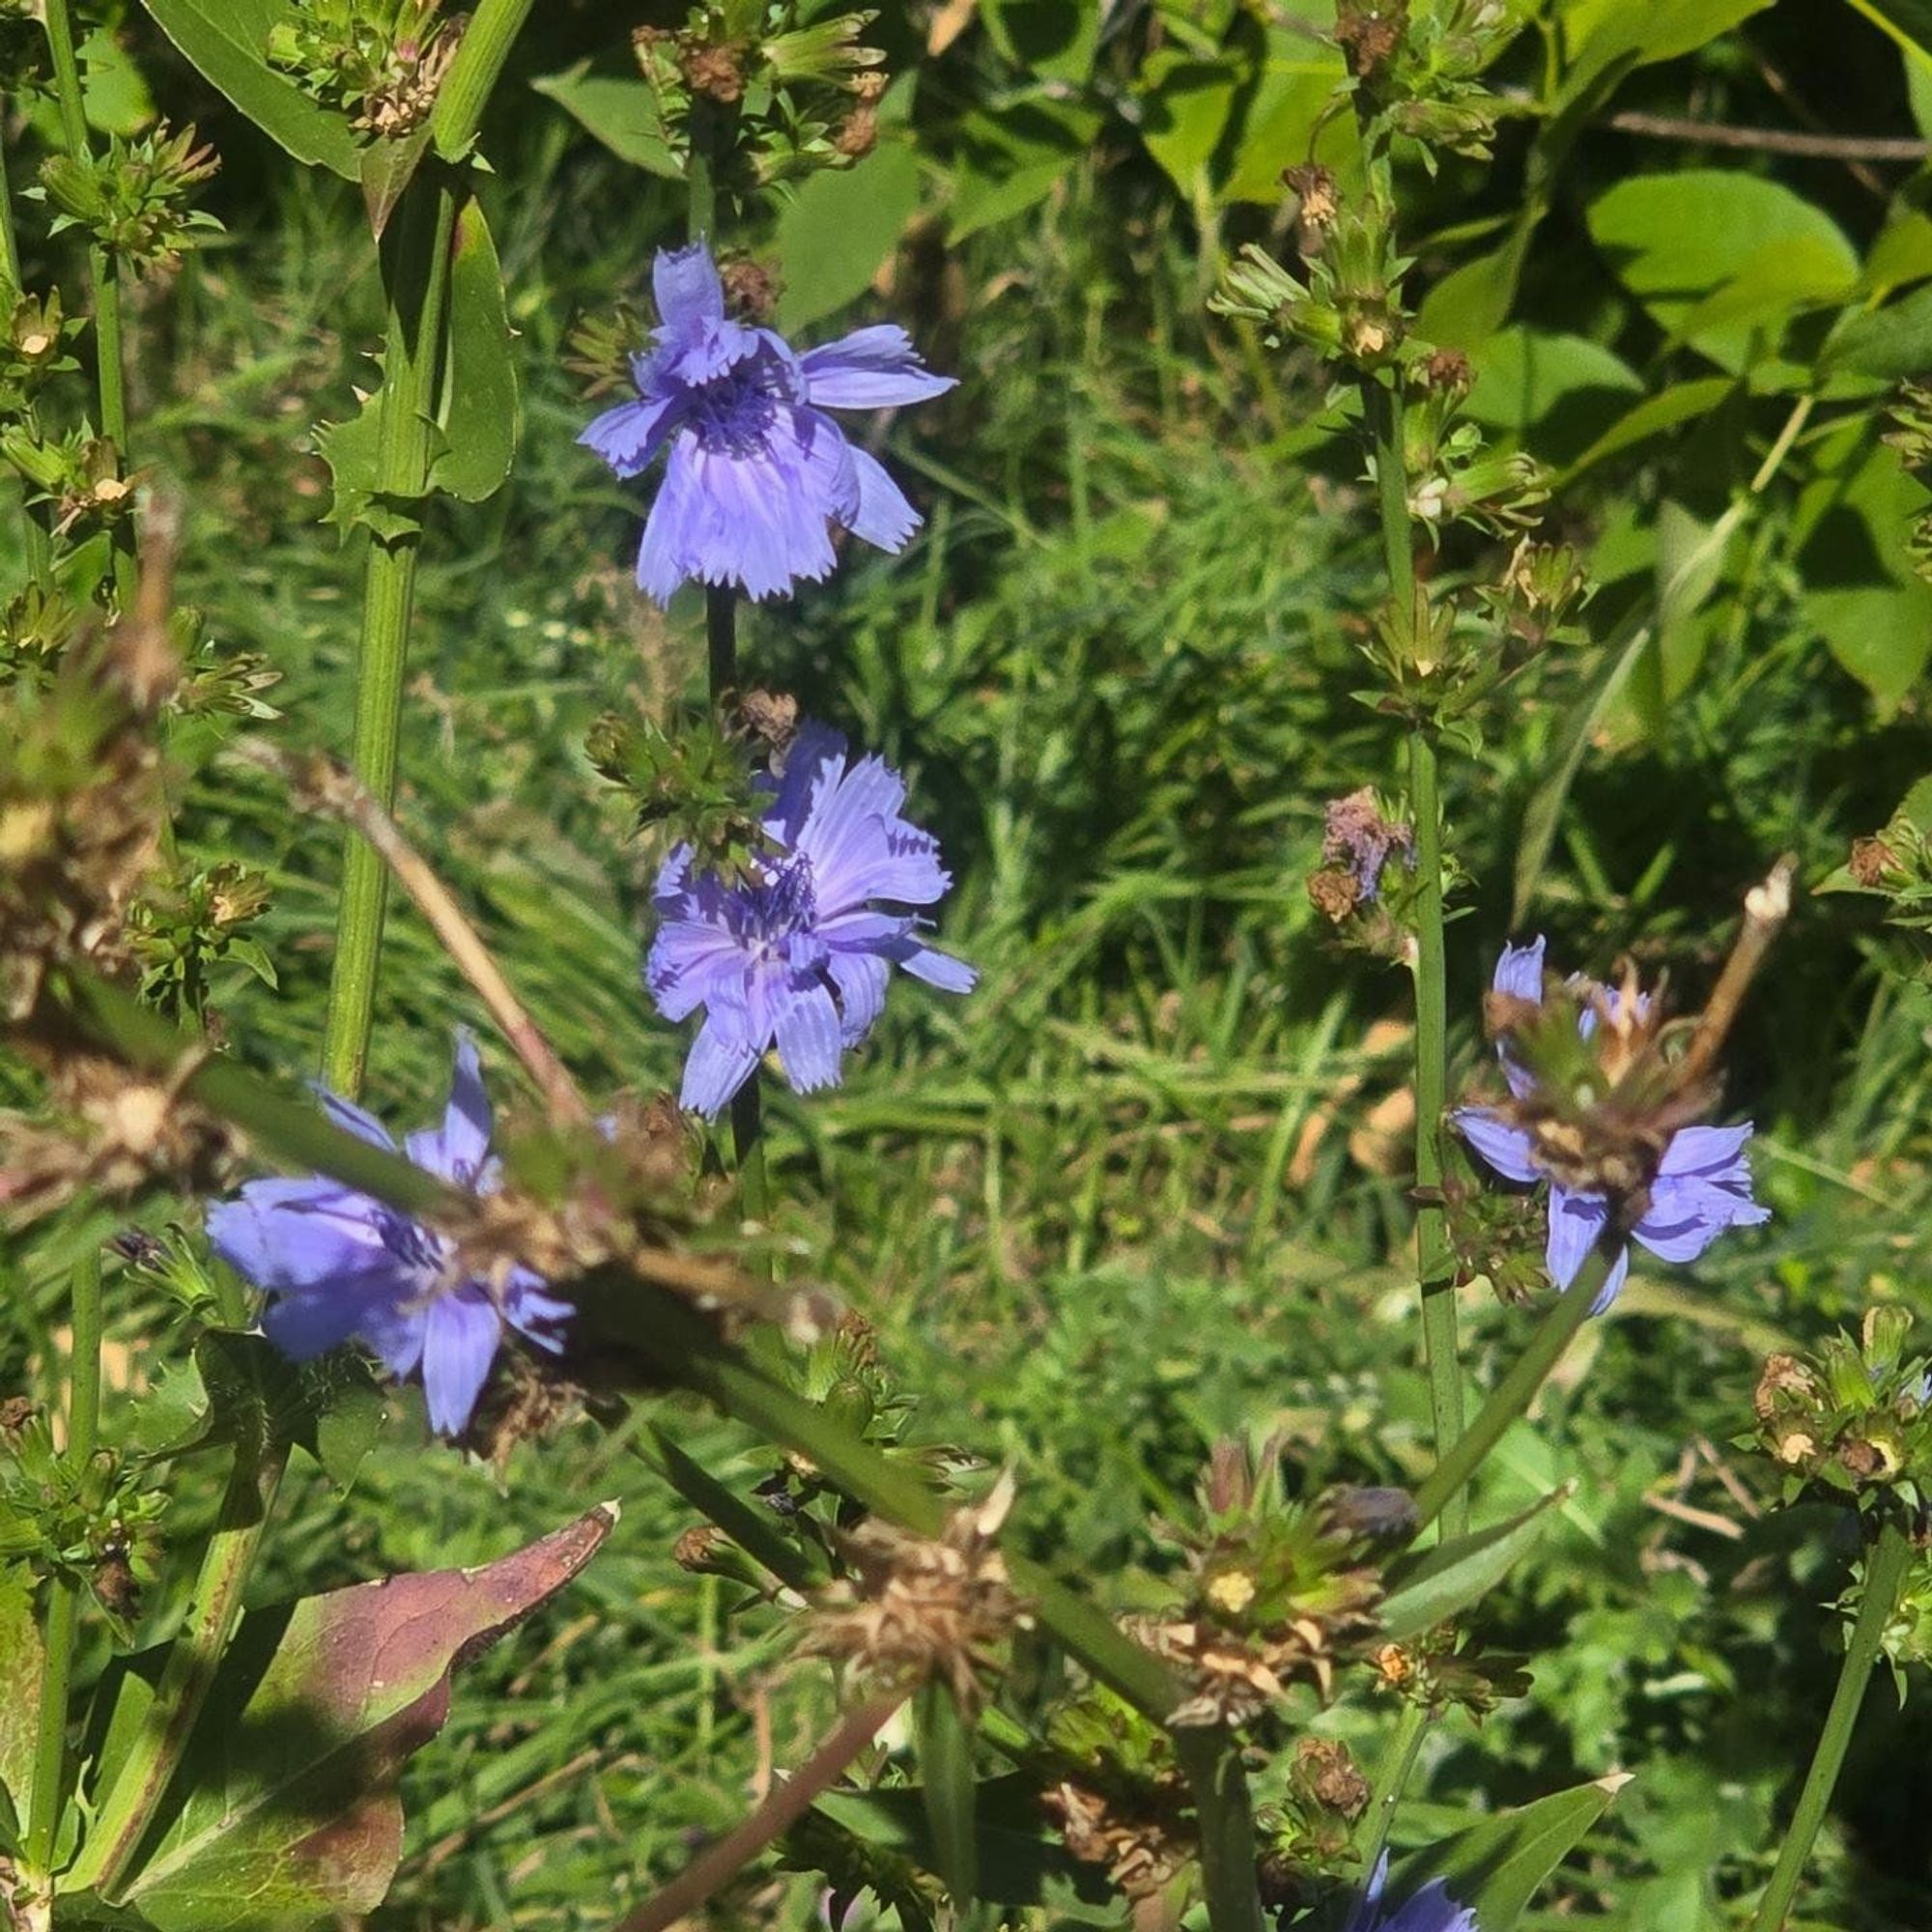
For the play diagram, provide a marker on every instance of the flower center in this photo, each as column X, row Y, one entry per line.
column 734, row 412
column 779, row 914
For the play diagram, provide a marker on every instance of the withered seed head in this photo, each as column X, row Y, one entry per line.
column 915, row 1609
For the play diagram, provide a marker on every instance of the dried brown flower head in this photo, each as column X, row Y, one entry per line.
column 1143, row 1853
column 916, row 1609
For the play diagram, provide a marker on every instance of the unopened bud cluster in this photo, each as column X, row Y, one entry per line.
column 1281, row 1593
column 380, row 60
column 1855, row 1418
column 133, row 198
column 1422, row 67
column 787, row 93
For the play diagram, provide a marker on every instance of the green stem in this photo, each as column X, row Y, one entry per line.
column 415, row 272
column 474, row 74
column 1516, row 1390
column 127, row 1808
column 1382, row 415
column 1391, row 1780
column 40, row 552
column 1885, row 1570
column 1433, row 1270
column 48, row 1798
column 109, row 351
column 415, row 255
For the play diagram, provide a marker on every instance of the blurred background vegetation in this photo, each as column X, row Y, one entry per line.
column 1145, row 1187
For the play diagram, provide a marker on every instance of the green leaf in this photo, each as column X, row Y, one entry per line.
column 114, row 89
column 1495, row 1868
column 22, row 1661
column 1186, row 107
column 1544, row 812
column 1890, row 343
column 1434, row 1586
column 1680, row 403
column 945, row 1764
column 839, row 227
column 482, row 412
column 1611, row 32
column 1676, row 240
column 1015, row 1864
column 1296, row 84
column 1849, row 526
column 288, row 1807
column 620, row 112
column 1908, row 21
column 1053, row 39
column 227, row 40
column 387, row 167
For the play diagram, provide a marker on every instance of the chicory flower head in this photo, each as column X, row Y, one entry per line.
column 336, row 1264
column 1702, row 1184
column 1430, row 1910
column 799, row 957
column 756, row 472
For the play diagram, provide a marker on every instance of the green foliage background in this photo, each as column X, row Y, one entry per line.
column 1145, row 1188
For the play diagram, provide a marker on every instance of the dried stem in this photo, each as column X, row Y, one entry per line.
column 336, row 790
column 1766, row 909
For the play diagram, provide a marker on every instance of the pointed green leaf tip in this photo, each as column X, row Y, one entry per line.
column 287, row 1812
column 1431, row 1587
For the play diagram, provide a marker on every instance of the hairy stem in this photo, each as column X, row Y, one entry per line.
column 109, row 349
column 1516, row 1390
column 47, row 1799
column 127, row 1806
column 416, row 274
column 1382, row 414
column 1887, row 1567
column 1433, row 1269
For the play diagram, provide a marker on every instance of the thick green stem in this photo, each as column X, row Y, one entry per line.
column 1433, row 1270
column 1382, row 415
column 1887, row 1567
column 1517, row 1390
column 415, row 277
column 109, row 352
column 127, row 1806
column 415, row 272
column 474, row 74
column 47, row 1799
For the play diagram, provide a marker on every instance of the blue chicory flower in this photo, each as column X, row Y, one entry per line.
column 756, row 471
column 336, row 1264
column 799, row 959
column 1703, row 1181
column 1430, row 1910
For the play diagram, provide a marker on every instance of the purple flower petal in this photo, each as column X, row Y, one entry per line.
column 796, row 957
column 628, row 436
column 1505, row 1147
column 310, row 1321
column 293, row 1234
column 805, row 1027
column 883, row 515
column 460, row 1342
column 875, row 368
column 756, row 471
column 1576, row 1220
column 1519, row 971
column 458, row 1149
column 689, row 294
column 353, row 1119
column 721, row 1060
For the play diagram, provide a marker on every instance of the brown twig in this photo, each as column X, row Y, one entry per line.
column 335, row 790
column 1775, row 140
column 1765, row 908
column 787, row 1803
